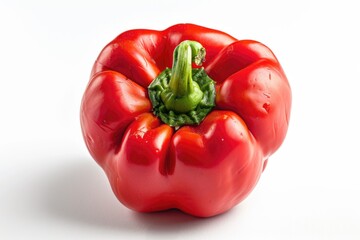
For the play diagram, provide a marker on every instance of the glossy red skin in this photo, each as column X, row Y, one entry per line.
column 205, row 169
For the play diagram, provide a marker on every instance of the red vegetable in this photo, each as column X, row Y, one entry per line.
column 171, row 134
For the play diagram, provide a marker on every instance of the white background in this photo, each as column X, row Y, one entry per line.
column 50, row 188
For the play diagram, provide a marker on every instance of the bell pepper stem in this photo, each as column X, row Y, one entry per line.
column 183, row 94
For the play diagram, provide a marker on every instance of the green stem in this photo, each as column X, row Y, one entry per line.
column 183, row 94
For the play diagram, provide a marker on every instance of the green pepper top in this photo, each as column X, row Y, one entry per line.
column 183, row 95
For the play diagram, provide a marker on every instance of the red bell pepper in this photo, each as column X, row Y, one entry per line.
column 171, row 134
